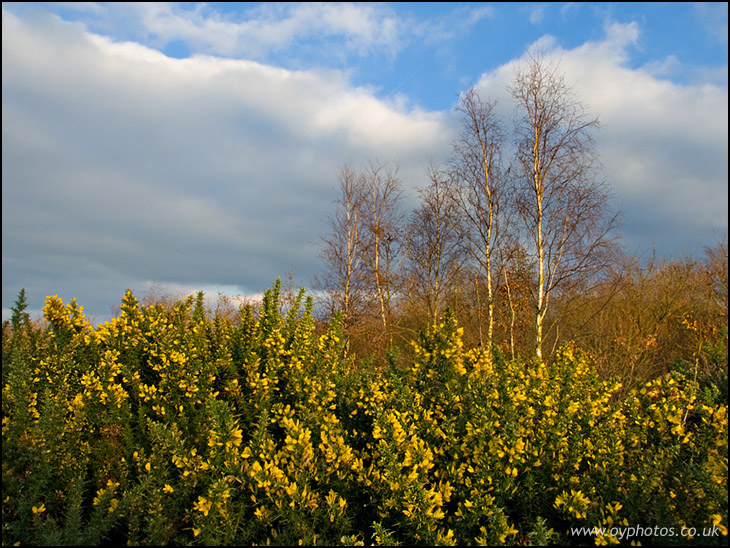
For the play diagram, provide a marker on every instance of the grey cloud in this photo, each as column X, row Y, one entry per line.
column 122, row 166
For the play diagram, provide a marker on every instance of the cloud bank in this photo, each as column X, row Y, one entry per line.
column 126, row 167
column 122, row 165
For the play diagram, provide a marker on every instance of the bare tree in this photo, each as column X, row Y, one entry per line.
column 516, row 274
column 434, row 253
column 343, row 278
column 381, row 236
column 561, row 202
column 480, row 187
column 362, row 248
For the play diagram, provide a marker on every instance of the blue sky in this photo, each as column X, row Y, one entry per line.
column 195, row 146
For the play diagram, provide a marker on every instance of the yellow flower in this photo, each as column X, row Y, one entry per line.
column 236, row 436
column 39, row 509
column 716, row 519
column 168, row 489
column 203, row 505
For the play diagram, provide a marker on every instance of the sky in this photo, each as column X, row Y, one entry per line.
column 177, row 147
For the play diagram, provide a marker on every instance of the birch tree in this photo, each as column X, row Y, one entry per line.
column 381, row 237
column 562, row 203
column 479, row 188
column 342, row 250
column 434, row 253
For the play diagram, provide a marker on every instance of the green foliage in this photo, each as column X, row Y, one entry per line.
column 166, row 426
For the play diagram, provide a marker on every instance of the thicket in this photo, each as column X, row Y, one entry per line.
column 174, row 425
column 640, row 320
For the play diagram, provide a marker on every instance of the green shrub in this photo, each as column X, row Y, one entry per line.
column 165, row 426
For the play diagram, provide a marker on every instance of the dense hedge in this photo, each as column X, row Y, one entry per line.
column 165, row 426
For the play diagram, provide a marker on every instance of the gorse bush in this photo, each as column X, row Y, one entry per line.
column 166, row 426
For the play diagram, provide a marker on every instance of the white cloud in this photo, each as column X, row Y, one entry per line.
column 255, row 32
column 663, row 68
column 714, row 17
column 287, row 33
column 447, row 27
column 87, row 7
column 215, row 295
column 537, row 13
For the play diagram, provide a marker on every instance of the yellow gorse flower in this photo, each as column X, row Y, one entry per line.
column 203, row 505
